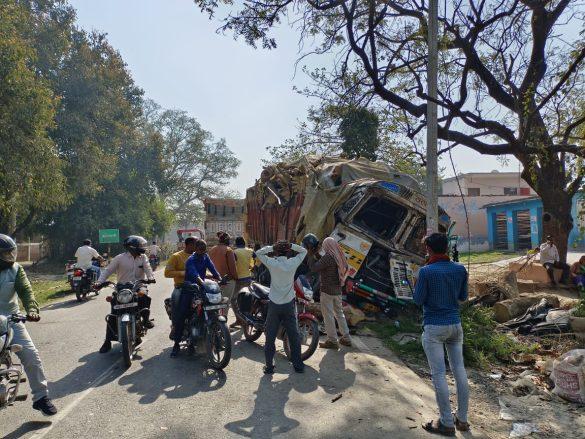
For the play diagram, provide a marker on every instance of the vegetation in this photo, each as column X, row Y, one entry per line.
column 482, row 346
column 485, row 257
column 510, row 81
column 580, row 310
column 47, row 291
column 87, row 151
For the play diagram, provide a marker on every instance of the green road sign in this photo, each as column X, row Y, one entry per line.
column 109, row 236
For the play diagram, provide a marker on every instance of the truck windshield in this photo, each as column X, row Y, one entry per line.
column 414, row 243
column 380, row 217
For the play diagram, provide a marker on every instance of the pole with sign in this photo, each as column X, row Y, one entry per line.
column 109, row 236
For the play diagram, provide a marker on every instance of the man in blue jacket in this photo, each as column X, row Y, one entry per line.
column 440, row 288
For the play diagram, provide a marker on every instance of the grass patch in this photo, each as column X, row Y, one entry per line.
column 47, row 291
column 482, row 345
column 485, row 257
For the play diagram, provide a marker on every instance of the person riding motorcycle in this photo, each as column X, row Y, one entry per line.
column 85, row 255
column 14, row 285
column 129, row 267
column 196, row 268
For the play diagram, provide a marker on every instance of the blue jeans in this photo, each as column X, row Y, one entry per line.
column 434, row 340
column 96, row 272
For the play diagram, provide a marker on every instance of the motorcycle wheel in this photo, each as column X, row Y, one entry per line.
column 219, row 345
column 309, row 332
column 78, row 295
column 126, row 341
column 250, row 332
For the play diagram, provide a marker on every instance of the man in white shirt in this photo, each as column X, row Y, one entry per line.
column 281, row 308
column 129, row 267
column 549, row 258
column 85, row 255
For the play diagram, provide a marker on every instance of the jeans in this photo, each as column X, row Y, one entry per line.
column 434, row 340
column 181, row 312
column 31, row 362
column 550, row 266
column 332, row 310
column 284, row 315
column 95, row 272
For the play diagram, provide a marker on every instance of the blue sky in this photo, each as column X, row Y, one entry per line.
column 234, row 91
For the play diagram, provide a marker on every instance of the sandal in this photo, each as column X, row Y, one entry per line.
column 437, row 427
column 459, row 425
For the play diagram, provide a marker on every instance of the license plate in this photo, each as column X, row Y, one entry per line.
column 212, row 307
column 126, row 305
column 76, row 277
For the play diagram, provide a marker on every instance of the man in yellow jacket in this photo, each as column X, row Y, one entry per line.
column 175, row 268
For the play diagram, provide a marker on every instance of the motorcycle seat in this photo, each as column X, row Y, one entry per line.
column 260, row 290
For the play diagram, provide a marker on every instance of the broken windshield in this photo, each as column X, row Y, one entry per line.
column 380, row 217
column 414, row 243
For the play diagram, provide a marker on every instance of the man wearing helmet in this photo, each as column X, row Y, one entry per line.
column 129, row 267
column 15, row 285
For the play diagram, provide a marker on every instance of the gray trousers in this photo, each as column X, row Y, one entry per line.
column 282, row 315
column 31, row 362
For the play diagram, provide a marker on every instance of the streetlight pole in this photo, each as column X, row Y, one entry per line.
column 432, row 72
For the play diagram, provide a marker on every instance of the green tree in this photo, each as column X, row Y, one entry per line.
column 31, row 178
column 359, row 130
column 511, row 81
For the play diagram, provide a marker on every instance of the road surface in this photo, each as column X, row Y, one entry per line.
column 160, row 397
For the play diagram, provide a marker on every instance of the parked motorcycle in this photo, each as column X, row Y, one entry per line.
column 154, row 262
column 11, row 375
column 207, row 322
column 253, row 309
column 127, row 316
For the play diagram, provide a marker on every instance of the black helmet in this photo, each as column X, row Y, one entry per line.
column 310, row 241
column 7, row 249
column 136, row 243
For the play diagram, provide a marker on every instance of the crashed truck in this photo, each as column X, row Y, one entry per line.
column 377, row 216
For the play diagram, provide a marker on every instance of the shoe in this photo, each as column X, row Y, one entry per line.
column 329, row 344
column 345, row 341
column 148, row 324
column 138, row 341
column 459, row 425
column 300, row 369
column 175, row 351
column 268, row 370
column 106, row 347
column 45, row 405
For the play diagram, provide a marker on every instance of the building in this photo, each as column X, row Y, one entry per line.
column 479, row 189
column 223, row 215
column 517, row 225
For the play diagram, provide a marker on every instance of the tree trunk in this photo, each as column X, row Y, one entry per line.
column 557, row 220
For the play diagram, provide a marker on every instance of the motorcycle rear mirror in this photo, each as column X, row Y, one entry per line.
column 15, row 348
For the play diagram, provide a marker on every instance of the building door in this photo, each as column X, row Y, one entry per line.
column 501, row 232
column 523, row 238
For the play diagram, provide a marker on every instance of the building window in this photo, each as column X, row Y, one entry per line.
column 473, row 192
column 233, row 209
column 510, row 191
column 223, row 213
column 524, row 191
column 215, row 210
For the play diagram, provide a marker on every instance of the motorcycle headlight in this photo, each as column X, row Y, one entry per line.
column 124, row 296
column 214, row 299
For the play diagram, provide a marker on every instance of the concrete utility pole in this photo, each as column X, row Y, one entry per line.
column 432, row 72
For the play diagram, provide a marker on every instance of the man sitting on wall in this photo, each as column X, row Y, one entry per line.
column 549, row 258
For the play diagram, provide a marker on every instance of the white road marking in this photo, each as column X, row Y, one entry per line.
column 63, row 413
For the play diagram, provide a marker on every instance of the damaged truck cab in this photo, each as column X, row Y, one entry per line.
column 377, row 216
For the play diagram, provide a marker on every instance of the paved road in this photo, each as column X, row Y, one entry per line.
column 163, row 397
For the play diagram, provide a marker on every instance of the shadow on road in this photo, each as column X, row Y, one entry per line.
column 71, row 303
column 27, row 427
column 335, row 376
column 85, row 374
column 268, row 418
column 177, row 378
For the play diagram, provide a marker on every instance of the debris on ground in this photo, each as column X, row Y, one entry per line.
column 569, row 376
column 337, row 397
column 523, row 307
column 523, row 429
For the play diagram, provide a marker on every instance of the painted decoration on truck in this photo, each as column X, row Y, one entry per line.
column 354, row 247
column 402, row 274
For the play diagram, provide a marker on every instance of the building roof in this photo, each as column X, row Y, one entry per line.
column 515, row 201
column 224, row 201
column 495, row 174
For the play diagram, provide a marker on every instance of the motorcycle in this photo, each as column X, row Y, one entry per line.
column 154, row 262
column 207, row 322
column 11, row 375
column 81, row 281
column 252, row 309
column 128, row 316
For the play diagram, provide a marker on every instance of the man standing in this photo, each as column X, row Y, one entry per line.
column 85, row 255
column 281, row 308
column 440, row 287
column 129, row 267
column 224, row 261
column 549, row 258
column 244, row 263
column 14, row 285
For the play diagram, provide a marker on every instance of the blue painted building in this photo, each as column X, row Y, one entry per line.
column 517, row 225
